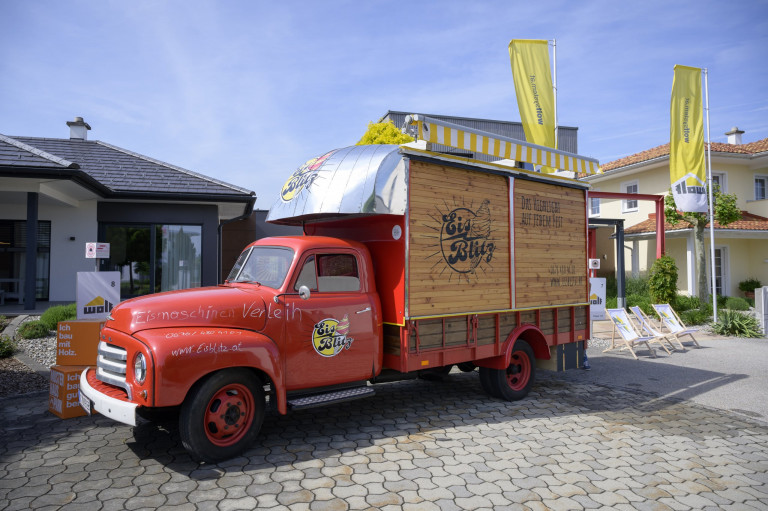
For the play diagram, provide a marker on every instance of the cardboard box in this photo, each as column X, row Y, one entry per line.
column 77, row 342
column 62, row 398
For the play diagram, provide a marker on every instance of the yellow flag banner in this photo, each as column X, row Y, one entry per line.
column 687, row 171
column 533, row 87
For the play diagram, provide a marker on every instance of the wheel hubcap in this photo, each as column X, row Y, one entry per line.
column 229, row 414
column 519, row 371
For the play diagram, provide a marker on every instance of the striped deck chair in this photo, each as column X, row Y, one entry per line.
column 646, row 328
column 672, row 321
column 628, row 337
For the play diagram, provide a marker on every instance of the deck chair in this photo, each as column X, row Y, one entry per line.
column 671, row 320
column 646, row 328
column 628, row 336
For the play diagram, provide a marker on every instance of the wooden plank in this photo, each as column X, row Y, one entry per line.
column 459, row 241
column 550, row 245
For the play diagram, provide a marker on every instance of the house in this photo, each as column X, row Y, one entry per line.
column 163, row 222
column 741, row 248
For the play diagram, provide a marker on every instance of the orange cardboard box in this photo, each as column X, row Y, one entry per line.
column 77, row 342
column 62, row 398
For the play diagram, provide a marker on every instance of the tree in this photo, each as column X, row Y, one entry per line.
column 726, row 212
column 384, row 133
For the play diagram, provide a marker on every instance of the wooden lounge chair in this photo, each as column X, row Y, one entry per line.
column 671, row 320
column 628, row 337
column 647, row 329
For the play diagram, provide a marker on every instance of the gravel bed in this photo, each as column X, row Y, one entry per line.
column 42, row 351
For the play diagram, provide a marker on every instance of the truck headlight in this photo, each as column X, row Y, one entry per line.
column 140, row 368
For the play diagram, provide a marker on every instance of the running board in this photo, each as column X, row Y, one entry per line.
column 326, row 398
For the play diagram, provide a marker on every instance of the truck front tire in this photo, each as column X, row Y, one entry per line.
column 514, row 382
column 222, row 415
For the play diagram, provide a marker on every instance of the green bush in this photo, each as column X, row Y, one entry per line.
column 685, row 303
column 33, row 330
column 696, row 316
column 736, row 304
column 611, row 287
column 662, row 282
column 738, row 324
column 642, row 301
column 636, row 286
column 53, row 315
column 612, row 303
column 749, row 285
column 7, row 346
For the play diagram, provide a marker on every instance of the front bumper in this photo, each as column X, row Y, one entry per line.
column 116, row 409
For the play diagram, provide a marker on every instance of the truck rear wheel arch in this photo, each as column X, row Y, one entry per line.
column 530, row 334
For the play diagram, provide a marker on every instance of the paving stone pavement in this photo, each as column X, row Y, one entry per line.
column 416, row 444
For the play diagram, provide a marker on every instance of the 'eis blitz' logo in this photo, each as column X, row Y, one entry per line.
column 329, row 336
column 303, row 177
column 464, row 238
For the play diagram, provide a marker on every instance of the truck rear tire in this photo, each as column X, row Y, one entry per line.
column 222, row 415
column 514, row 382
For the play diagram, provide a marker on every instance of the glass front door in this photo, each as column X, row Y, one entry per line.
column 153, row 257
column 13, row 247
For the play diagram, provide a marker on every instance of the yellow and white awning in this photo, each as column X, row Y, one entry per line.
column 453, row 135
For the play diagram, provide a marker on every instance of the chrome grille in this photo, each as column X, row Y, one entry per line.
column 112, row 365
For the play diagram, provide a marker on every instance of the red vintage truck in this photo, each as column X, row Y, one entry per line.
column 411, row 262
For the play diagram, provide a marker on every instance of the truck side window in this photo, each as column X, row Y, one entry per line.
column 308, row 276
column 337, row 273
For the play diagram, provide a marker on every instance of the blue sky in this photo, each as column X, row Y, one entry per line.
column 245, row 91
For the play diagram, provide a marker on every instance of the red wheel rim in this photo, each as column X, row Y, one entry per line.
column 229, row 415
column 519, row 371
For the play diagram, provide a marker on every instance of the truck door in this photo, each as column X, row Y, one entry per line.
column 329, row 337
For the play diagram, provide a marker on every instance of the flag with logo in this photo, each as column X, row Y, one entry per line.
column 533, row 87
column 687, row 171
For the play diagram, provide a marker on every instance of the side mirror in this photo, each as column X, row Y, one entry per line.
column 303, row 293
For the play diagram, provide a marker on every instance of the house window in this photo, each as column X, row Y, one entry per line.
column 719, row 182
column 594, row 206
column 721, row 270
column 761, row 187
column 154, row 257
column 629, row 206
column 13, row 250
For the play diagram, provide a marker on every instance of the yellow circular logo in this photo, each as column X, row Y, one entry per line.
column 329, row 337
column 303, row 177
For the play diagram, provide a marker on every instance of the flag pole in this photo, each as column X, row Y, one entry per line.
column 711, row 201
column 554, row 86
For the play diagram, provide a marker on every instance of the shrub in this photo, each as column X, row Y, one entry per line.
column 611, row 287
column 738, row 324
column 737, row 304
column 612, row 303
column 636, row 286
column 685, row 303
column 642, row 301
column 33, row 330
column 7, row 346
column 721, row 301
column 53, row 315
column 696, row 316
column 749, row 285
column 662, row 283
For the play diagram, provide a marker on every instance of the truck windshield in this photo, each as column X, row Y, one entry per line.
column 267, row 266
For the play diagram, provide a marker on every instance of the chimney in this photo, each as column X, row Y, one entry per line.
column 78, row 129
column 734, row 136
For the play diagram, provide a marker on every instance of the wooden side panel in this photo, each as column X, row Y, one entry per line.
column 459, row 241
column 550, row 244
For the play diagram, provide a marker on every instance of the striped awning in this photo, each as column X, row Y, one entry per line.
column 461, row 137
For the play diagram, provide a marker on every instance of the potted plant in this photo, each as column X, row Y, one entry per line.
column 748, row 287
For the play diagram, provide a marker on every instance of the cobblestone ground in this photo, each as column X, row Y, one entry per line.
column 415, row 445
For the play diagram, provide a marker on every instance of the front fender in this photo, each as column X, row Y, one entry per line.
column 182, row 356
column 529, row 333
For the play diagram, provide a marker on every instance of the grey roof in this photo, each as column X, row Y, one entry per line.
column 114, row 170
column 18, row 154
